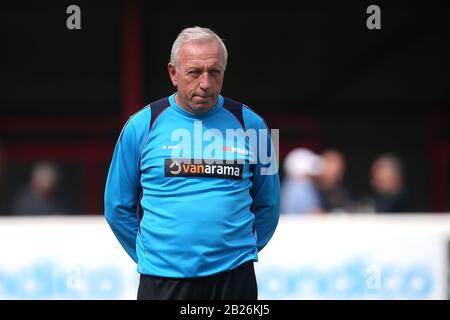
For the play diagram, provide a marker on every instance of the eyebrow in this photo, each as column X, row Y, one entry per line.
column 214, row 68
column 201, row 67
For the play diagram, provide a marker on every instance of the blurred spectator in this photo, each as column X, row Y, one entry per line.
column 40, row 196
column 334, row 196
column 387, row 180
column 298, row 191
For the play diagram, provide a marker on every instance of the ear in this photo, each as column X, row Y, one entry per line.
column 173, row 74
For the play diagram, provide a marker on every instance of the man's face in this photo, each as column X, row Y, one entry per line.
column 199, row 75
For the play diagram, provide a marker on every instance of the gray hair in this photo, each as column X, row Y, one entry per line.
column 195, row 34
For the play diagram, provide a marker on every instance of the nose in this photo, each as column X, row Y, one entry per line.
column 205, row 81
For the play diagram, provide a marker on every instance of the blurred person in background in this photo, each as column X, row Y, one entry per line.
column 197, row 231
column 387, row 181
column 299, row 194
column 334, row 196
column 40, row 196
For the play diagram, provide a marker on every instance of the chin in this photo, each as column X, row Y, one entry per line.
column 202, row 103
column 201, row 108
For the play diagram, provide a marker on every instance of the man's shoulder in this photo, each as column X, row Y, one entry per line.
column 251, row 118
column 254, row 119
column 141, row 118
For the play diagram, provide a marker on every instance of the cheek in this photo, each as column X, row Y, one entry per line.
column 183, row 84
column 187, row 88
column 219, row 82
column 188, row 83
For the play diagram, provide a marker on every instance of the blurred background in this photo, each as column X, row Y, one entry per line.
column 363, row 114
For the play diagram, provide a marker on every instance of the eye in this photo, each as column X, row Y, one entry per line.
column 194, row 73
column 215, row 73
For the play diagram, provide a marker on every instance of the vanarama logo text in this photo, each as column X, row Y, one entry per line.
column 202, row 168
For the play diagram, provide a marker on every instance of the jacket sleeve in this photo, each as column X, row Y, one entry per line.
column 265, row 190
column 123, row 188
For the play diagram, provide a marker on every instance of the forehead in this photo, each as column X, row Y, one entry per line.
column 201, row 52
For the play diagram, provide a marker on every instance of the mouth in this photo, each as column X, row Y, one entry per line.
column 201, row 97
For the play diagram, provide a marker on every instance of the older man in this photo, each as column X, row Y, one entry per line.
column 189, row 204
